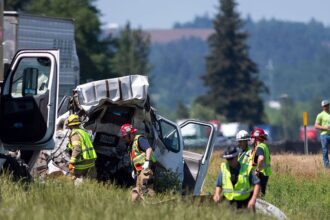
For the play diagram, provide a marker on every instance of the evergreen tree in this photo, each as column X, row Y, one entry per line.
column 231, row 76
column 132, row 51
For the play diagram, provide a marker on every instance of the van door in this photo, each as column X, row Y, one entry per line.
column 169, row 151
column 29, row 100
column 198, row 142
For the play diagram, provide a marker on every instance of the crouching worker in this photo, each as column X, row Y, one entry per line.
column 142, row 160
column 83, row 155
column 236, row 184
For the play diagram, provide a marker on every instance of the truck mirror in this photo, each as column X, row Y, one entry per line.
column 44, row 61
column 30, row 81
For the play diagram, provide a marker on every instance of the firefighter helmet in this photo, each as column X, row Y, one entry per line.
column 259, row 134
column 242, row 135
column 73, row 120
column 126, row 129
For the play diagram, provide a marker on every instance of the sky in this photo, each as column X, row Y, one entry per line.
column 148, row 14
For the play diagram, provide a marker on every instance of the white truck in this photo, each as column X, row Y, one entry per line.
column 45, row 68
column 25, row 31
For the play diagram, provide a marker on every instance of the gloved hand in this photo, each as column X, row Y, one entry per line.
column 71, row 167
column 133, row 174
column 145, row 165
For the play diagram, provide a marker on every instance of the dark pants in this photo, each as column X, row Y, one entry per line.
column 263, row 183
column 87, row 173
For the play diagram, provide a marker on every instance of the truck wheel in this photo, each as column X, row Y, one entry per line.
column 17, row 170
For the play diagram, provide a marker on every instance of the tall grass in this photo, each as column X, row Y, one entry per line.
column 299, row 187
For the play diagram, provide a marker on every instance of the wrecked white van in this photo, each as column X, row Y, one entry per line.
column 104, row 106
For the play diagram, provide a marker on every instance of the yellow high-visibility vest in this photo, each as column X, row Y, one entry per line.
column 138, row 157
column 242, row 189
column 88, row 154
column 265, row 169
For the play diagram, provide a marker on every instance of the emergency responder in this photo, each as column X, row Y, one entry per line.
column 243, row 137
column 239, row 184
column 83, row 155
column 260, row 157
column 322, row 123
column 142, row 160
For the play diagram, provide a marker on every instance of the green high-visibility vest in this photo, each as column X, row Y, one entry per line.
column 244, row 157
column 265, row 169
column 88, row 154
column 242, row 189
column 138, row 157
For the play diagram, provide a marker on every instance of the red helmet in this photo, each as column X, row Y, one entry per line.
column 259, row 134
column 126, row 129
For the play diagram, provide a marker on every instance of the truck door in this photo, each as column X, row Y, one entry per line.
column 198, row 142
column 29, row 100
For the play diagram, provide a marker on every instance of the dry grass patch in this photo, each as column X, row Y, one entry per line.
column 299, row 166
column 289, row 164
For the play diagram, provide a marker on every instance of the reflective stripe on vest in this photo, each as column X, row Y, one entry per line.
column 138, row 157
column 242, row 189
column 244, row 157
column 84, row 164
column 88, row 154
column 265, row 169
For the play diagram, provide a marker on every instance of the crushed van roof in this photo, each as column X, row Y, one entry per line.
column 131, row 89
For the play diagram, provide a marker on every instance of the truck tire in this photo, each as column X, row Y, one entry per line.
column 16, row 169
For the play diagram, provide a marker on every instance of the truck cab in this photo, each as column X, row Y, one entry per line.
column 28, row 105
column 31, row 80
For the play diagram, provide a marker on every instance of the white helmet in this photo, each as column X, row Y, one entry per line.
column 242, row 135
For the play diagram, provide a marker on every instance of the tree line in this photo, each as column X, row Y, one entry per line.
column 292, row 59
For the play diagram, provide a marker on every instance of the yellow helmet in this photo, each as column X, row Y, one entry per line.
column 73, row 120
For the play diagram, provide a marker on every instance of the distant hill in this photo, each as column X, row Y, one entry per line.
column 293, row 58
column 162, row 36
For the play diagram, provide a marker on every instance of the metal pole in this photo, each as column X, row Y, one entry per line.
column 305, row 117
column 306, row 140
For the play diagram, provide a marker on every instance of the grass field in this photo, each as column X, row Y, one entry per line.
column 299, row 186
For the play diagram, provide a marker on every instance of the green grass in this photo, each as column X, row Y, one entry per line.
column 298, row 196
column 60, row 199
column 301, row 198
